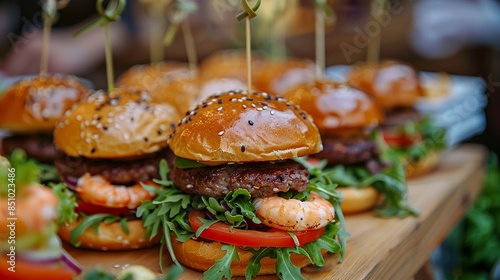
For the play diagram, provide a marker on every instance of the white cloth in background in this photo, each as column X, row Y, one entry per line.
column 443, row 27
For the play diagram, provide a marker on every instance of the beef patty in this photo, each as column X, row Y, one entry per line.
column 123, row 172
column 261, row 179
column 399, row 116
column 347, row 150
column 39, row 147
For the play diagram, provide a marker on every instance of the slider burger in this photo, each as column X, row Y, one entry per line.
column 356, row 159
column 30, row 109
column 234, row 202
column 29, row 216
column 110, row 143
column 396, row 88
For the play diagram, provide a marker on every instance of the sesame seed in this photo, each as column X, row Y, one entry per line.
column 242, row 148
column 220, row 109
column 265, row 107
column 221, row 133
column 272, row 112
column 95, row 136
column 88, row 140
column 82, row 134
column 117, row 126
column 275, row 189
column 250, row 122
column 259, row 109
column 253, row 105
column 126, row 136
column 189, row 186
column 116, row 266
column 92, row 151
column 79, row 118
column 244, row 106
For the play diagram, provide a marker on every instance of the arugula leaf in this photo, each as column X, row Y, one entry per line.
column 94, row 221
column 184, row 163
column 66, row 205
column 222, row 268
column 285, row 269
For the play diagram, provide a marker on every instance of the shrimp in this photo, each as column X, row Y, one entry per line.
column 36, row 209
column 96, row 190
column 293, row 214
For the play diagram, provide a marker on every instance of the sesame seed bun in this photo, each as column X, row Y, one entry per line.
column 241, row 127
column 334, row 106
column 278, row 76
column 147, row 77
column 391, row 83
column 34, row 105
column 120, row 124
column 200, row 255
column 110, row 237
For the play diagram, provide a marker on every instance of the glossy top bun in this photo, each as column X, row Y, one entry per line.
column 120, row 124
column 278, row 76
column 334, row 106
column 147, row 77
column 184, row 93
column 391, row 83
column 241, row 127
column 226, row 64
column 34, row 105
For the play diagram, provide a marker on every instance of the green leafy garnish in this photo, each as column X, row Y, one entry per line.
column 184, row 163
column 22, row 172
column 66, row 205
column 222, row 267
column 94, row 221
column 434, row 139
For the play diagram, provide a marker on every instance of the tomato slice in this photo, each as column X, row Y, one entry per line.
column 398, row 140
column 91, row 209
column 251, row 238
column 33, row 271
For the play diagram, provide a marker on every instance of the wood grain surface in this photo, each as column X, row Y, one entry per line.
column 378, row 248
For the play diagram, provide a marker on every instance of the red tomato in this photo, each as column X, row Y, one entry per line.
column 251, row 238
column 398, row 140
column 91, row 209
column 33, row 271
column 313, row 161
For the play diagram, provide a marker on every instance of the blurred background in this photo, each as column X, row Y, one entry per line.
column 457, row 37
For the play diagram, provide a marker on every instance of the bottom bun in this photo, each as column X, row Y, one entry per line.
column 201, row 255
column 423, row 166
column 358, row 200
column 111, row 237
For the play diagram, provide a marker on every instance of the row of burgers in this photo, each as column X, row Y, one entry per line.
column 218, row 174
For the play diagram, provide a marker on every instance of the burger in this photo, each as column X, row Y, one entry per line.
column 353, row 153
column 229, row 63
column 30, row 109
column 110, row 143
column 233, row 201
column 29, row 217
column 396, row 88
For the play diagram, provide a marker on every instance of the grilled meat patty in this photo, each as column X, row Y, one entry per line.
column 261, row 179
column 122, row 172
column 400, row 116
column 347, row 150
column 39, row 147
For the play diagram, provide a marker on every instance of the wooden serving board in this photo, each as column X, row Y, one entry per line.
column 378, row 248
